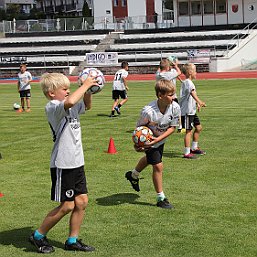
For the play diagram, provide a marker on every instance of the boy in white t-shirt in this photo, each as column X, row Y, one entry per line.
column 120, row 88
column 24, row 87
column 162, row 117
column 189, row 103
column 67, row 160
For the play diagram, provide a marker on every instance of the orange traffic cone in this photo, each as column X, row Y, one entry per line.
column 1, row 195
column 111, row 148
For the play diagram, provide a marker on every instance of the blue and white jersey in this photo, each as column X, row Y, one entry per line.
column 118, row 82
column 67, row 151
column 24, row 80
column 187, row 102
column 158, row 122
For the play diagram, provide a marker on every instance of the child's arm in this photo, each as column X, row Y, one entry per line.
column 88, row 101
column 125, row 83
column 73, row 98
column 197, row 99
column 167, row 133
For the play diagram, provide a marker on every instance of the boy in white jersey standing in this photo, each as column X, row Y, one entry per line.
column 189, row 102
column 162, row 117
column 67, row 159
column 120, row 88
column 24, row 87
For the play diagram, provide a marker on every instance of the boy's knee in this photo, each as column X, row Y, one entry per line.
column 68, row 207
column 81, row 201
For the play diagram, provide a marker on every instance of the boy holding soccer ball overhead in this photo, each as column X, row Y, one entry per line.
column 67, row 160
column 162, row 117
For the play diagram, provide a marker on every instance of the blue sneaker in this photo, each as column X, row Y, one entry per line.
column 117, row 109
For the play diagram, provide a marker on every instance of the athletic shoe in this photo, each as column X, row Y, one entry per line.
column 165, row 204
column 20, row 110
column 134, row 182
column 78, row 246
column 112, row 116
column 42, row 245
column 28, row 110
column 189, row 156
column 198, row 151
column 117, row 109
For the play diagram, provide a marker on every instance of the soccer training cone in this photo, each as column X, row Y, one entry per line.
column 111, row 148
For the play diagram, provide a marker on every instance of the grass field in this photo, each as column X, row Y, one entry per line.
column 214, row 196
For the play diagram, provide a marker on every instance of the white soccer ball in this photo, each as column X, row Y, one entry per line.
column 94, row 73
column 173, row 59
column 16, row 106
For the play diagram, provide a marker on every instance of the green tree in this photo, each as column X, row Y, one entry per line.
column 85, row 10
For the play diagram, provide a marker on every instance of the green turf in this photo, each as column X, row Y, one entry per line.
column 214, row 196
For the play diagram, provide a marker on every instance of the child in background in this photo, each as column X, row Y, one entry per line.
column 189, row 102
column 162, row 117
column 120, row 88
column 24, row 87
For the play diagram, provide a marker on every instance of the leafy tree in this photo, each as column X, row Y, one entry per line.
column 85, row 10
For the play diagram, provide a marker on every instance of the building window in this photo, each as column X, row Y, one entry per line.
column 208, row 7
column 115, row 3
column 196, row 8
column 123, row 3
column 183, row 8
column 221, row 6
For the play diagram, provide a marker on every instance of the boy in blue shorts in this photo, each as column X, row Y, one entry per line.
column 162, row 117
column 67, row 159
column 189, row 103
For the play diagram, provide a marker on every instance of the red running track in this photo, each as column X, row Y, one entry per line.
column 200, row 76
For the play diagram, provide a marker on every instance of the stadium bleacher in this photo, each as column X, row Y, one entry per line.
column 139, row 48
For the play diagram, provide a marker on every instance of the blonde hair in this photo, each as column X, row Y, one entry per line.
column 164, row 64
column 188, row 68
column 164, row 86
column 52, row 81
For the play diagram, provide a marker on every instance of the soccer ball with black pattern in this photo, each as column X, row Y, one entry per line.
column 94, row 73
column 142, row 135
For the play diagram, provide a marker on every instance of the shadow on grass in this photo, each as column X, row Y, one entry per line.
column 117, row 199
column 106, row 115
column 19, row 238
column 172, row 155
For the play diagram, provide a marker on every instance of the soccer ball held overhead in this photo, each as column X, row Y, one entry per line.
column 94, row 73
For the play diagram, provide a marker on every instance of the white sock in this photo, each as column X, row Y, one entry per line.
column 160, row 196
column 194, row 145
column 187, row 150
column 135, row 174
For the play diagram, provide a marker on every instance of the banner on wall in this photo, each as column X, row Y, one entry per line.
column 101, row 58
column 13, row 59
column 199, row 55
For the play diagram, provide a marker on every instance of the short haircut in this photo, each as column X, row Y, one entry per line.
column 52, row 81
column 164, row 64
column 124, row 64
column 187, row 67
column 164, row 86
column 23, row 65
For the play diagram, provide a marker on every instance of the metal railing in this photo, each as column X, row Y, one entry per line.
column 85, row 23
column 237, row 39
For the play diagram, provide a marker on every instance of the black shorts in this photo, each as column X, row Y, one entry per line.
column 190, row 121
column 25, row 93
column 116, row 94
column 154, row 155
column 68, row 183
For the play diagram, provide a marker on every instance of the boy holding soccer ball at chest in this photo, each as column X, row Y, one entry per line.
column 162, row 117
column 67, row 159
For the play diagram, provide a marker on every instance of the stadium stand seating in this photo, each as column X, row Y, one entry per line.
column 143, row 49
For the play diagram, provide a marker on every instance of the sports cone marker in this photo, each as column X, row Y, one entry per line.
column 111, row 148
column 1, row 195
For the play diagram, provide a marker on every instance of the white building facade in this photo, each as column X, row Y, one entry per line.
column 184, row 13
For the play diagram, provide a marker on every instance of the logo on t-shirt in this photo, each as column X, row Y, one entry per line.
column 69, row 193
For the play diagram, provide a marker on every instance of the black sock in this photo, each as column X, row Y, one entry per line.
column 112, row 112
column 119, row 105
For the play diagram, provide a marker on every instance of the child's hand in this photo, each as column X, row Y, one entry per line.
column 200, row 105
column 90, row 81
